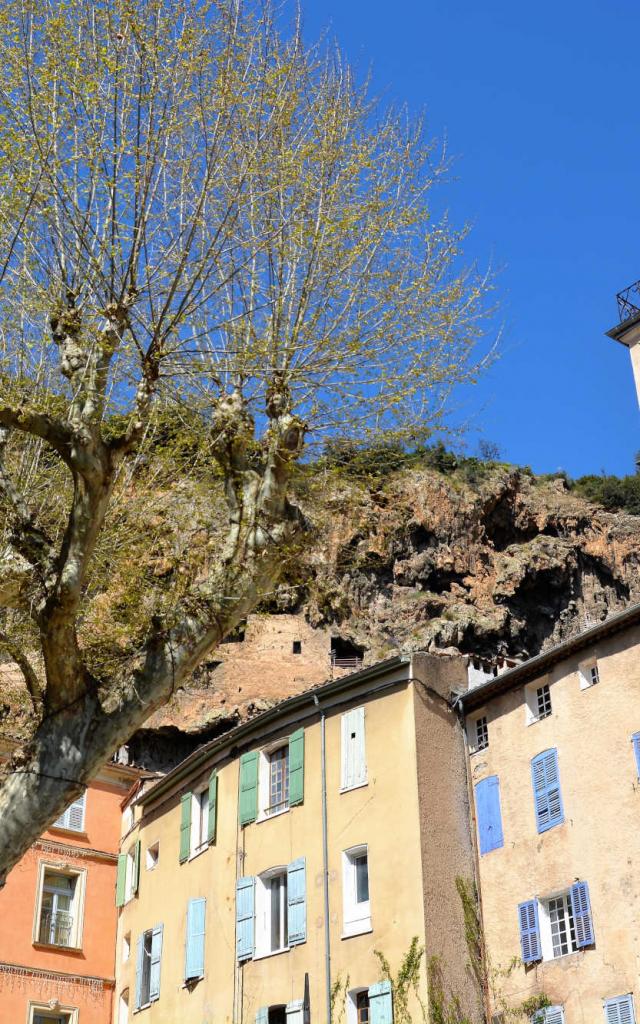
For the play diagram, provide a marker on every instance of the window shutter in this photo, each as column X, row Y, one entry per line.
column 550, row 1015
column 296, row 767
column 354, row 759
column 546, row 790
column 139, row 966
column 529, row 931
column 156, row 957
column 248, row 787
column 581, row 906
column 213, row 807
column 262, row 1016
column 185, row 827
column 381, row 1003
column 294, row 1011
column 488, row 814
column 121, row 880
column 135, row 874
column 619, row 1010
column 297, row 902
column 194, row 952
column 245, row 910
column 75, row 814
column 636, row 750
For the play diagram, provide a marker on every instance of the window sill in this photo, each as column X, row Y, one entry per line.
column 272, row 952
column 365, row 928
column 79, row 832
column 478, row 750
column 53, row 946
column 269, row 817
column 562, row 956
column 197, row 853
column 357, row 785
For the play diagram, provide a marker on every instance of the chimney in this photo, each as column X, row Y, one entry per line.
column 627, row 332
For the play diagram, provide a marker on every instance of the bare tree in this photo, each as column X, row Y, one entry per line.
column 197, row 212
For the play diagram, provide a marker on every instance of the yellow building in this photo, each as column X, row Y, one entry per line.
column 259, row 878
column 554, row 767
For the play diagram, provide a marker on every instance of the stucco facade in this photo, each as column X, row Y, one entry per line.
column 57, row 938
column 393, row 821
column 586, row 835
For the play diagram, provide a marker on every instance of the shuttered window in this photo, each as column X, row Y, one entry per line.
column 581, row 905
column 73, row 817
column 546, row 790
column 194, row 943
column 529, row 931
column 248, row 787
column 549, row 1015
column 354, row 758
column 619, row 1010
column 148, row 961
column 297, row 901
column 381, row 1003
column 245, row 914
column 156, row 958
column 487, row 793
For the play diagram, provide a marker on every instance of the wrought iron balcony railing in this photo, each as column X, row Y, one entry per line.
column 55, row 927
column 629, row 302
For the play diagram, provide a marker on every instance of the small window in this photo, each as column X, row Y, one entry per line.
column 127, row 820
column 355, row 891
column 131, row 877
column 538, row 702
column 297, row 646
column 271, row 912
column 152, row 857
column 126, row 947
column 588, row 674
column 73, row 817
column 123, row 1007
column 59, row 908
column 199, row 821
column 358, row 1007
column 478, row 732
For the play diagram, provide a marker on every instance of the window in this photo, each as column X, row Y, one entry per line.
column 152, row 857
column 358, row 1009
column 619, row 1010
column 488, row 814
column 556, row 925
column 59, row 907
column 148, row 961
column 52, row 1013
column 128, row 875
column 355, row 891
column 478, row 732
column 278, row 780
column 126, row 947
column 538, row 702
column 199, row 821
column 546, row 790
column 588, row 674
column 123, row 1007
column 549, row 1015
column 272, row 935
column 73, row 817
column 272, row 779
column 292, row 1013
column 297, row 647
column 271, row 911
column 354, row 758
column 562, row 927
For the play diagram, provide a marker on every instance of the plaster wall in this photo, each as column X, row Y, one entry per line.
column 599, row 841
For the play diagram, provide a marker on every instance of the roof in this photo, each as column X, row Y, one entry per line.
column 244, row 731
column 618, row 332
column 537, row 666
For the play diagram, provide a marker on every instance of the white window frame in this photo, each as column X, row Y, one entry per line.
column 51, row 1010
column 352, row 1006
column 123, row 1007
column 264, row 781
column 144, row 1003
column 152, row 856
column 544, row 922
column 198, row 842
column 472, row 731
column 77, row 914
column 347, row 784
column 531, row 700
column 262, row 937
column 585, row 673
column 63, row 824
column 356, row 917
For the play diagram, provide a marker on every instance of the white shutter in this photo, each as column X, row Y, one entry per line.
column 73, row 817
column 295, row 1011
column 553, row 1015
column 354, row 758
column 619, row 1010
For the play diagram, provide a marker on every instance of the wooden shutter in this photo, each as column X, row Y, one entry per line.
column 296, row 767
column 185, row 827
column 297, row 902
column 381, row 1003
column 546, row 790
column 156, row 958
column 529, row 931
column 135, row 868
column 139, row 969
column 194, row 948
column 213, row 807
column 248, row 787
column 294, row 1011
column 245, row 912
column 121, row 880
column 636, row 750
column 487, row 793
column 581, row 906
column 619, row 1010
column 354, row 758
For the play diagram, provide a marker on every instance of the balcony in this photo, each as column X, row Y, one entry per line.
column 629, row 302
column 56, row 928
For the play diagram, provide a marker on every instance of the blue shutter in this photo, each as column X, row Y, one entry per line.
column 297, row 902
column 581, row 907
column 245, row 910
column 154, row 968
column 488, row 814
column 262, row 1016
column 529, row 931
column 546, row 790
column 139, row 959
column 380, row 1003
column 550, row 1015
column 619, row 1010
column 194, row 952
column 636, row 750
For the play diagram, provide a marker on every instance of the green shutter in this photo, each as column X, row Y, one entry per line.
column 248, row 787
column 296, row 767
column 185, row 827
column 121, row 879
column 135, row 878
column 213, row 807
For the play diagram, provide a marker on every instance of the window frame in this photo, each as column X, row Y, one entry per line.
column 532, row 700
column 586, row 669
column 263, row 908
column 356, row 915
column 264, row 779
column 352, row 1003
column 472, row 731
column 129, row 891
column 124, row 1001
column 198, row 831
column 37, row 1007
column 546, row 928
column 80, row 874
column 152, row 853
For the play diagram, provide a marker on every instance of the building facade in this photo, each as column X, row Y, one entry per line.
column 554, row 767
column 57, row 937
column 275, row 874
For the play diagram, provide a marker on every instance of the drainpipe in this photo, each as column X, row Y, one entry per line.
column 325, row 860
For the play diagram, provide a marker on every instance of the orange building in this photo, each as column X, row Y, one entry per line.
column 58, row 915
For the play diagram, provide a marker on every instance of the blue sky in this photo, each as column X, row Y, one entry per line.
column 539, row 104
